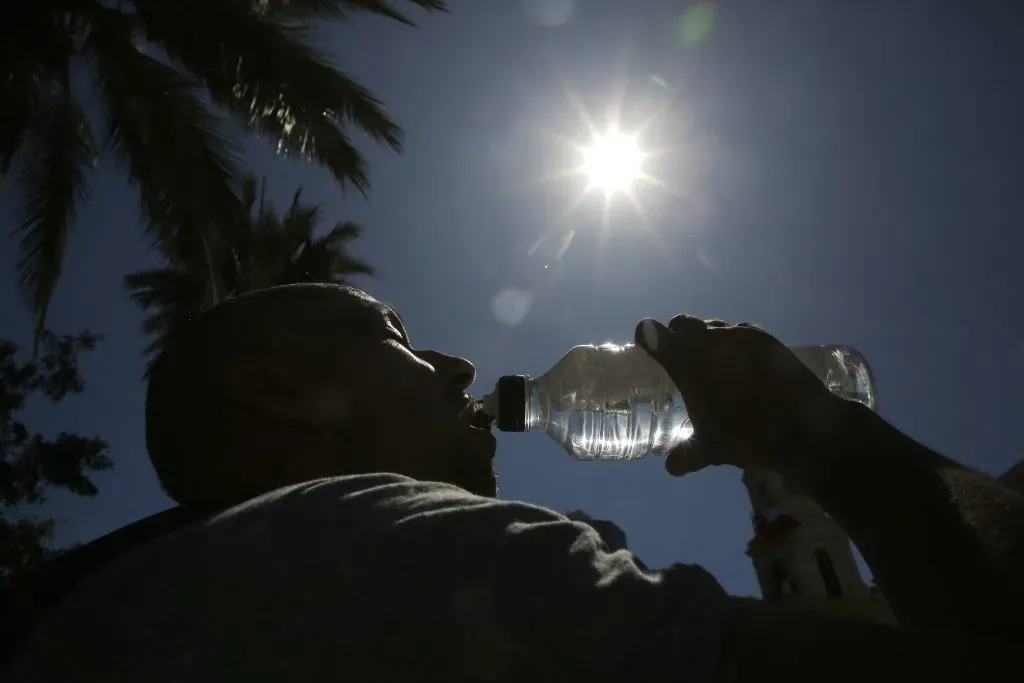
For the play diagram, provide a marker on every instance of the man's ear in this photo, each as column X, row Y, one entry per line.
column 281, row 390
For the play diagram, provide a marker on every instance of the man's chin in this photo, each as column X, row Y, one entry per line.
column 473, row 462
column 464, row 459
column 475, row 475
column 482, row 485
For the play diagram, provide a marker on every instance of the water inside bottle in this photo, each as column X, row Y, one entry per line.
column 612, row 402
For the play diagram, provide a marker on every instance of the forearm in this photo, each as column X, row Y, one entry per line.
column 776, row 642
column 945, row 544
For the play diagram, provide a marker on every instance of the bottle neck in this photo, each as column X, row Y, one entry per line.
column 536, row 406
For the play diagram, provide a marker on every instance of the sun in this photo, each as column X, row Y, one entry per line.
column 612, row 162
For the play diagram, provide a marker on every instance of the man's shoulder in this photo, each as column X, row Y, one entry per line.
column 363, row 492
column 347, row 523
column 374, row 501
column 316, row 580
column 353, row 489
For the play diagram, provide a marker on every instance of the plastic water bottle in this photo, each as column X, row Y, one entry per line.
column 615, row 402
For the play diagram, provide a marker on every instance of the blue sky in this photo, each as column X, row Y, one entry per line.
column 840, row 173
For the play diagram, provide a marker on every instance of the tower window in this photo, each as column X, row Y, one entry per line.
column 828, row 573
column 780, row 581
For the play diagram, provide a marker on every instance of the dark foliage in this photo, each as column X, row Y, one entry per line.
column 32, row 463
column 165, row 71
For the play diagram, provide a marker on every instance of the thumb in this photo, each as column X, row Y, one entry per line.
column 690, row 456
column 652, row 336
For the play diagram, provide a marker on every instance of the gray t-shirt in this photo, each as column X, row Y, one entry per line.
column 380, row 578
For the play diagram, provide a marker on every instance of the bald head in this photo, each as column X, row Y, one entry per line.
column 193, row 431
column 291, row 384
column 282, row 318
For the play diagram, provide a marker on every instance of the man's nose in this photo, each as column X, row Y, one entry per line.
column 456, row 372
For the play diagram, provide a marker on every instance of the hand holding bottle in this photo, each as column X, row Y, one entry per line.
column 749, row 398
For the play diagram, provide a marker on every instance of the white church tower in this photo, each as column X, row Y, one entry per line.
column 797, row 549
column 801, row 555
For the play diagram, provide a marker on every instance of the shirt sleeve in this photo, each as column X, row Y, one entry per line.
column 460, row 587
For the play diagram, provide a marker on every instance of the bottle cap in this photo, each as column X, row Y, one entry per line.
column 510, row 397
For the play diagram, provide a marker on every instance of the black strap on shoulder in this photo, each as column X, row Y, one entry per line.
column 25, row 598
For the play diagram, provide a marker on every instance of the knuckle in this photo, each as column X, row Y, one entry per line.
column 686, row 323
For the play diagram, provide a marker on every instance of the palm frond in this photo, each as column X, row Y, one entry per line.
column 295, row 200
column 262, row 251
column 172, row 145
column 264, row 208
column 38, row 33
column 326, row 259
column 274, row 80
column 254, row 255
column 17, row 114
column 336, row 9
column 298, row 226
column 164, row 287
column 299, row 223
column 20, row 95
column 172, row 296
column 248, row 193
column 60, row 148
column 342, row 232
column 347, row 266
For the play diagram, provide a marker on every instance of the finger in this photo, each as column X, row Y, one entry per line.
column 664, row 347
column 717, row 323
column 690, row 456
column 653, row 337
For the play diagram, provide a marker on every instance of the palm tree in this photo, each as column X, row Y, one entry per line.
column 157, row 67
column 263, row 251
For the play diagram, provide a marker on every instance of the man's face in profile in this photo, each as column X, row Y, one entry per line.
column 412, row 408
column 371, row 402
